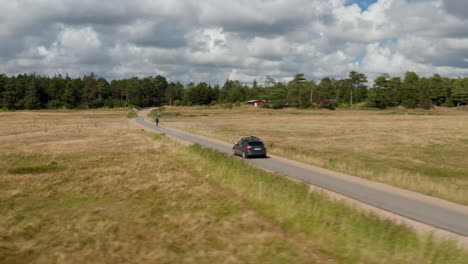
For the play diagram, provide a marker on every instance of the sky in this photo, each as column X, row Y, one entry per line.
column 212, row 40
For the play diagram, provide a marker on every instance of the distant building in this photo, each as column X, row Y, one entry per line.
column 256, row 102
column 324, row 101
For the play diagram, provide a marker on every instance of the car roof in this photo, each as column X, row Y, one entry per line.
column 251, row 138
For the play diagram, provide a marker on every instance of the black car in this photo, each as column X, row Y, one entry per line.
column 249, row 146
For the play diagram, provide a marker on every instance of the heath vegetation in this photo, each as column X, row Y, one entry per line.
column 420, row 150
column 88, row 187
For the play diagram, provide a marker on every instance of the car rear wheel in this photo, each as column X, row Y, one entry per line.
column 244, row 155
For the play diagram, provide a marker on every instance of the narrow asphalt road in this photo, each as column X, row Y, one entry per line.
column 432, row 214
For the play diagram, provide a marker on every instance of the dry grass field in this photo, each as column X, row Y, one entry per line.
column 84, row 187
column 88, row 187
column 424, row 151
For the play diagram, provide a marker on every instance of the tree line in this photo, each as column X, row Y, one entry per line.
column 31, row 91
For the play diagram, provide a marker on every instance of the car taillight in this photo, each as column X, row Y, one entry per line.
column 247, row 147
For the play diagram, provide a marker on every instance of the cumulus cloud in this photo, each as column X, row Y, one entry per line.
column 212, row 40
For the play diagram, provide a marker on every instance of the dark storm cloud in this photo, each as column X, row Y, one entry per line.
column 449, row 58
column 457, row 7
column 165, row 34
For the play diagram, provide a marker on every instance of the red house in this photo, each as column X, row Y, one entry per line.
column 256, row 102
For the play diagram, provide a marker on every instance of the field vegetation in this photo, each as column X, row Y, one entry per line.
column 87, row 187
column 420, row 150
column 84, row 187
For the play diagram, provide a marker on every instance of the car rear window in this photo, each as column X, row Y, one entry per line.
column 256, row 143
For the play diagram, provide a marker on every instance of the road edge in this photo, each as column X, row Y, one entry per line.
column 417, row 226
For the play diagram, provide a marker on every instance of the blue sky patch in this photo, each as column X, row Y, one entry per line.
column 358, row 59
column 363, row 4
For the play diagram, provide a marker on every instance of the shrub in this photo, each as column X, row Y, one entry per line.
column 357, row 106
column 154, row 113
column 328, row 105
column 227, row 106
column 131, row 114
column 170, row 114
column 53, row 166
column 265, row 105
column 54, row 104
column 342, row 106
column 277, row 106
column 448, row 103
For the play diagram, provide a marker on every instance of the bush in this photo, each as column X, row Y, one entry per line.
column 328, row 105
column 154, row 113
column 170, row 114
column 54, row 104
column 448, row 103
column 342, row 106
column 131, row 114
column 304, row 104
column 81, row 107
column 118, row 103
column 357, row 106
column 109, row 102
column 409, row 103
column 227, row 106
column 277, row 106
column 313, row 106
column 37, row 169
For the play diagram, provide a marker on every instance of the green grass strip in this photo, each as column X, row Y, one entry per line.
column 36, row 169
column 336, row 229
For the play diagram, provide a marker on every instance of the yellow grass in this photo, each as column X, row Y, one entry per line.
column 118, row 197
column 87, row 187
column 424, row 151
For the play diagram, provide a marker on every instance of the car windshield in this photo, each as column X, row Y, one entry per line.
column 256, row 143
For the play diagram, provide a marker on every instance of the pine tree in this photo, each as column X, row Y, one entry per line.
column 71, row 94
column 460, row 92
column 31, row 100
column 174, row 92
column 379, row 94
column 409, row 92
column 10, row 94
column 3, row 80
column 295, row 87
column 325, row 89
column 277, row 95
column 90, row 91
column 394, row 91
column 438, row 92
column 424, row 93
column 358, row 90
